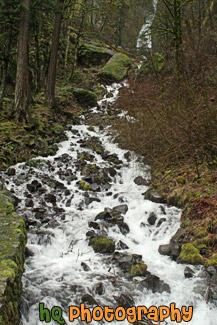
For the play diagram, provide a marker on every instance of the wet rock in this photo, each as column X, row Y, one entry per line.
column 112, row 172
column 95, row 187
column 121, row 245
column 139, row 180
column 11, row 171
column 190, row 254
column 67, row 193
column 28, row 252
column 127, row 155
column 161, row 221
column 51, row 198
column 165, row 249
column 100, row 288
column 211, row 270
column 102, row 245
column 163, row 211
column 188, row 272
column 94, row 225
column 125, row 301
column 90, row 234
column 29, row 203
column 139, row 269
column 89, row 300
column 105, row 215
column 34, row 186
column 54, row 184
column 89, row 200
column 153, row 283
column 85, row 267
column 152, row 218
column 124, row 228
column 154, row 196
column 120, row 209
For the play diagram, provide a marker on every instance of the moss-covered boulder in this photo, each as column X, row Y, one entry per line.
column 138, row 269
column 212, row 261
column 84, row 97
column 92, row 55
column 190, row 254
column 115, row 69
column 12, row 256
column 102, row 245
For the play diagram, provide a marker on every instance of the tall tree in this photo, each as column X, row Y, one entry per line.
column 51, row 79
column 22, row 94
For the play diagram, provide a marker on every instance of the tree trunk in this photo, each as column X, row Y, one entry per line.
column 21, row 93
column 51, row 79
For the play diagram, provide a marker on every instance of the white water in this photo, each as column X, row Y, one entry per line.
column 55, row 269
column 144, row 38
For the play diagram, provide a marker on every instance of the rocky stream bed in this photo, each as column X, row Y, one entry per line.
column 93, row 238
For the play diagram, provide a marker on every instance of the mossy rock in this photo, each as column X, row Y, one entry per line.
column 138, row 269
column 116, row 68
column 84, row 97
column 212, row 261
column 85, row 186
column 12, row 256
column 102, row 245
column 90, row 54
column 190, row 255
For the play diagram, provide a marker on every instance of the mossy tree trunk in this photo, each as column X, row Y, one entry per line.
column 21, row 88
column 51, row 79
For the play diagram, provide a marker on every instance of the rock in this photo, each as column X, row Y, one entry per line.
column 161, row 221
column 29, row 203
column 140, row 181
column 162, row 209
column 154, row 196
column 89, row 200
column 91, row 54
column 84, row 97
column 11, row 171
column 105, row 215
column 127, row 155
column 125, row 301
column 89, row 300
column 190, row 254
column 211, row 270
column 124, row 228
column 94, row 225
column 112, row 172
column 165, row 249
column 102, row 245
column 100, row 288
column 121, row 209
column 51, row 198
column 34, row 186
column 28, row 252
column 153, row 283
column 85, row 267
column 138, row 269
column 116, row 69
column 188, row 272
column 121, row 245
column 152, row 218
column 90, row 234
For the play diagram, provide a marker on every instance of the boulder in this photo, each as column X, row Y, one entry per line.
column 190, row 254
column 152, row 218
column 102, row 245
column 90, row 54
column 116, row 69
column 84, row 97
column 154, row 196
column 153, row 283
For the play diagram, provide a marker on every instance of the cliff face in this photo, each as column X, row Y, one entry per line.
column 12, row 256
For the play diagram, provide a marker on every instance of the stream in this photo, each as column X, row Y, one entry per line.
column 62, row 215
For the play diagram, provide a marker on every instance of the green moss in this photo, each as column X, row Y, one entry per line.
column 90, row 54
column 138, row 269
column 85, row 186
column 212, row 261
column 190, row 254
column 102, row 245
column 84, row 97
column 116, row 68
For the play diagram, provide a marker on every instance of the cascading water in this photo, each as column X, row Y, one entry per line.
column 62, row 268
column 144, row 38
